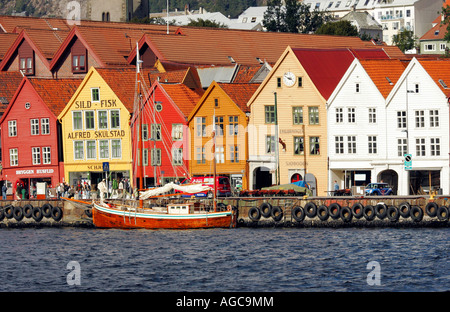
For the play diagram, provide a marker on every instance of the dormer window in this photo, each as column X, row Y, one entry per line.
column 79, row 58
column 26, row 59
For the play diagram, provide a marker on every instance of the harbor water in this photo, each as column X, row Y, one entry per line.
column 225, row 260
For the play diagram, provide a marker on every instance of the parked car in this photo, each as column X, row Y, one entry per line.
column 374, row 189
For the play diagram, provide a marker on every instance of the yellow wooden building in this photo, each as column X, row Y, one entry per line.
column 96, row 127
column 222, row 105
column 288, row 121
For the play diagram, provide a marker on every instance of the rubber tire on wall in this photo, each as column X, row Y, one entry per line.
column 442, row 213
column 277, row 213
column 334, row 210
column 416, row 213
column 57, row 213
column 346, row 214
column 369, row 213
column 357, row 210
column 2, row 214
column 266, row 210
column 381, row 211
column 9, row 211
column 18, row 213
column 322, row 213
column 404, row 209
column 298, row 213
column 37, row 214
column 431, row 209
column 27, row 210
column 47, row 210
column 393, row 214
column 254, row 214
column 311, row 210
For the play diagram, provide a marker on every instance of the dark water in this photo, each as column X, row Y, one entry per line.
column 226, row 260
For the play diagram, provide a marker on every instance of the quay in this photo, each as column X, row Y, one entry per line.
column 275, row 211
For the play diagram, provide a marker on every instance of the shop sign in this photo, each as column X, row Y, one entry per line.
column 32, row 171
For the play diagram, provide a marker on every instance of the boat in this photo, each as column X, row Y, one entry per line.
column 187, row 215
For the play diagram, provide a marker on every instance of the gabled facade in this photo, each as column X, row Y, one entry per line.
column 224, row 106
column 417, row 123
column 31, row 142
column 433, row 42
column 165, row 137
column 357, row 125
column 95, row 126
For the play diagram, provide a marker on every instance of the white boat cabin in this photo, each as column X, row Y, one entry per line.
column 180, row 209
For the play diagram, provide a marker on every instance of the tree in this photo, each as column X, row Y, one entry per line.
column 446, row 21
column 294, row 17
column 206, row 23
column 405, row 40
column 340, row 28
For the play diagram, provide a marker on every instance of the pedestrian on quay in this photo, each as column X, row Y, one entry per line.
column 120, row 188
column 78, row 189
column 4, row 190
column 87, row 190
column 58, row 191
column 336, row 187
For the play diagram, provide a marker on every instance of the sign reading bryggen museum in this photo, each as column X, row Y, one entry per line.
column 96, row 128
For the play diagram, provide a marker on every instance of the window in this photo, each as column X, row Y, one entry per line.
column 339, row 144
column 351, row 115
column 269, row 114
column 200, row 155
column 27, row 65
column 234, row 153
column 299, row 147
column 103, row 119
column 357, row 87
column 297, row 115
column 314, row 145
column 429, row 47
column 338, row 4
column 220, row 157
column 89, row 120
column 91, row 149
column 46, row 155
column 402, row 147
column 233, row 125
column 339, row 115
column 300, row 82
column 95, row 95
column 416, row 87
column 442, row 46
column 156, row 157
column 77, row 121
column 12, row 128
column 36, row 155
column 177, row 156
column 372, row 115
column 219, row 126
column 420, row 119
column 435, row 144
column 313, row 113
column 14, row 157
column 408, row 13
column 78, row 147
column 79, row 57
column 351, row 141
column 372, row 144
column 45, row 126
column 116, row 149
column 420, row 147
column 434, row 118
column 115, row 119
column 144, row 133
column 401, row 119
column 270, row 144
column 145, row 156
column 216, row 102
column 34, row 126
column 278, row 82
column 201, row 126
column 177, row 132
column 156, row 132
column 103, row 146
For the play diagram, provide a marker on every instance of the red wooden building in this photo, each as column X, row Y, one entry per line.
column 165, row 133
column 31, row 142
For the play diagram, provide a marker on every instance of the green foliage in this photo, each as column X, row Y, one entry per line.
column 295, row 17
column 446, row 21
column 405, row 40
column 206, row 23
column 340, row 28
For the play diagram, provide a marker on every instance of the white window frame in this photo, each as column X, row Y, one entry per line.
column 36, row 155
column 12, row 128
column 13, row 157
column 34, row 126
column 45, row 126
column 46, row 155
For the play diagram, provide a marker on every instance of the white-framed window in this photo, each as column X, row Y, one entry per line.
column 102, row 117
column 339, row 144
column 177, row 156
column 372, row 140
column 351, row 113
column 234, row 153
column 420, row 146
column 200, row 124
column 220, row 155
column 351, row 144
column 156, row 132
column 14, row 157
column 372, row 115
column 144, row 135
column 36, row 155
column 91, row 149
column 177, row 132
column 45, row 126
column 435, row 146
column 434, row 118
column 339, row 115
column 145, row 156
column 34, row 123
column 116, row 149
column 357, row 87
column 233, row 125
column 12, row 128
column 402, row 146
column 156, row 157
column 200, row 155
column 270, row 144
column 78, row 148
column 442, row 46
column 419, row 118
column 103, row 147
column 401, row 119
column 77, row 120
column 46, row 155
column 429, row 47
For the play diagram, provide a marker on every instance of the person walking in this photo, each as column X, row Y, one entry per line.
column 4, row 190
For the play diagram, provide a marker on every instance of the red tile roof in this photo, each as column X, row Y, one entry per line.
column 55, row 93
column 10, row 23
column 182, row 96
column 240, row 93
column 325, row 67
column 437, row 32
column 382, row 70
column 438, row 70
column 6, row 41
column 9, row 82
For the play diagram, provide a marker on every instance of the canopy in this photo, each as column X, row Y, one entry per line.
column 189, row 189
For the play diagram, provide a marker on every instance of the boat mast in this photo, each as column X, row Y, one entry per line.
column 140, row 112
column 214, row 162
